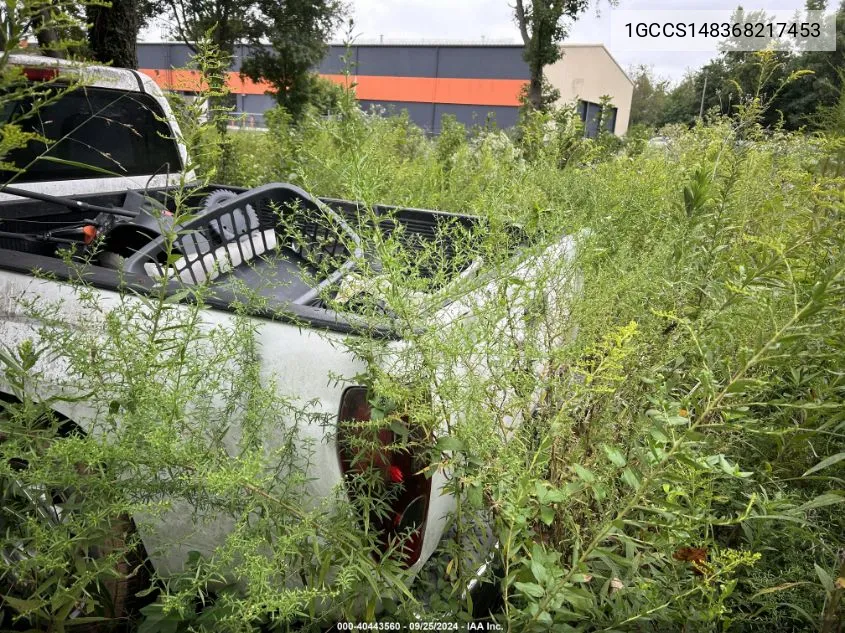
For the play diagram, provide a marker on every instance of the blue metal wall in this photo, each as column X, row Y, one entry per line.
column 410, row 61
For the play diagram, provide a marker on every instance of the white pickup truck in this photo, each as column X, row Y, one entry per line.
column 119, row 122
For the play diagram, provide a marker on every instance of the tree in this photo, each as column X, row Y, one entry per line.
column 801, row 99
column 791, row 95
column 543, row 25
column 227, row 21
column 113, row 30
column 713, row 82
column 648, row 103
column 56, row 24
column 60, row 27
column 222, row 24
column 46, row 33
column 728, row 81
column 297, row 31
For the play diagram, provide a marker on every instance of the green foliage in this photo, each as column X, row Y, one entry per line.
column 297, row 32
column 230, row 21
column 58, row 26
column 796, row 87
column 556, row 136
column 452, row 138
column 203, row 117
column 543, row 25
column 287, row 40
column 19, row 99
column 186, row 420
column 648, row 101
column 325, row 96
column 173, row 437
column 647, row 416
column 659, row 478
column 549, row 96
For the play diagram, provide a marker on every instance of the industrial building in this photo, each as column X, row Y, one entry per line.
column 473, row 82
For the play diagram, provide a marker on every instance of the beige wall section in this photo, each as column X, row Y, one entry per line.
column 588, row 71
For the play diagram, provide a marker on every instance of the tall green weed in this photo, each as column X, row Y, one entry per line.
column 679, row 461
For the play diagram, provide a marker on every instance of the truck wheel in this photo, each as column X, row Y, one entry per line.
column 480, row 559
column 23, row 503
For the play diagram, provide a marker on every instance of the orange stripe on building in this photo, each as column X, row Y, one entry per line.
column 489, row 92
column 185, row 80
column 482, row 92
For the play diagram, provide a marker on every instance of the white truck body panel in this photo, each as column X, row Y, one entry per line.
column 300, row 360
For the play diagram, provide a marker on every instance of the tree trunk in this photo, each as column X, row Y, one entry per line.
column 535, row 89
column 46, row 34
column 113, row 33
column 535, row 83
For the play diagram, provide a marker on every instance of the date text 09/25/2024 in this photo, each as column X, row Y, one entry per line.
column 418, row 626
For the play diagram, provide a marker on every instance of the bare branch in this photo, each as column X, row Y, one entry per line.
column 521, row 22
column 189, row 41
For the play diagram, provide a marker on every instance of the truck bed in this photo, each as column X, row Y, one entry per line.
column 293, row 273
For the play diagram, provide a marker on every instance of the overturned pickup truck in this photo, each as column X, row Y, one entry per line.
column 114, row 177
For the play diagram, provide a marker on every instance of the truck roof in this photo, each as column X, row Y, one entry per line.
column 91, row 74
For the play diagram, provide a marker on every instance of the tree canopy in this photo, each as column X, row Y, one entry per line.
column 286, row 38
column 297, row 32
column 796, row 86
column 543, row 25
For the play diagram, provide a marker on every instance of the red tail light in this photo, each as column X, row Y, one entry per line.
column 40, row 74
column 362, row 448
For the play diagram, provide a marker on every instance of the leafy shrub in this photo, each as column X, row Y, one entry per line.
column 661, row 473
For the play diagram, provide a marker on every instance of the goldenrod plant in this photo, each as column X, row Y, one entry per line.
column 627, row 373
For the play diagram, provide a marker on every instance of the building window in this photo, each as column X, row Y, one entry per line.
column 582, row 110
column 590, row 114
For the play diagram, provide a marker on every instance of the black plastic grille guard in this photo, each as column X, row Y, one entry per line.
column 192, row 240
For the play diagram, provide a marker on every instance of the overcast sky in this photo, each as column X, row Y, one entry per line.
column 493, row 21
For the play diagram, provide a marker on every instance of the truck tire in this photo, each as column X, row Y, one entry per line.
column 115, row 595
column 480, row 558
